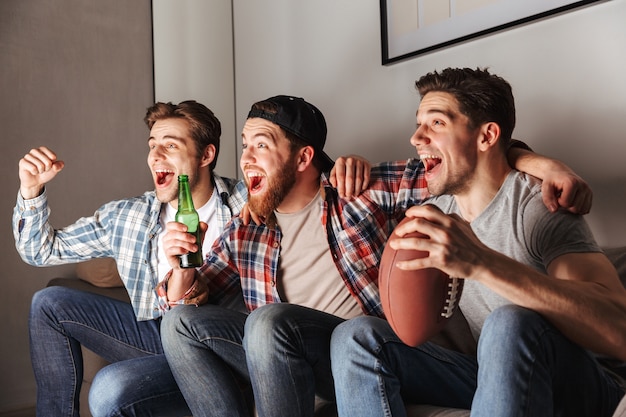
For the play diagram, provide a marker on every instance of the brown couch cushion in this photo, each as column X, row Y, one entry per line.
column 119, row 293
column 101, row 272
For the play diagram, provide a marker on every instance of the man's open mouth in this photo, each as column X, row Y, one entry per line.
column 430, row 162
column 163, row 176
column 255, row 180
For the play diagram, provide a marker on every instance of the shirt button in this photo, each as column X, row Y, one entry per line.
column 275, row 244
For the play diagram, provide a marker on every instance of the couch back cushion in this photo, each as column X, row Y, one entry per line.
column 101, row 272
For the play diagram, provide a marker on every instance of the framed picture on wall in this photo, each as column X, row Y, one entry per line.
column 414, row 27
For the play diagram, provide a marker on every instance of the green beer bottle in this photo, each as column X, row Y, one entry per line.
column 188, row 215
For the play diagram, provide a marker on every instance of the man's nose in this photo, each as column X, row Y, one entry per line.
column 418, row 138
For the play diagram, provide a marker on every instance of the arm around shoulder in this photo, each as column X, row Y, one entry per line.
column 561, row 186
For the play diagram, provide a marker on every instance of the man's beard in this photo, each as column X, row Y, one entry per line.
column 455, row 183
column 450, row 187
column 277, row 188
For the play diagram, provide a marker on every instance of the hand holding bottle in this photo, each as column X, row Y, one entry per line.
column 177, row 242
column 188, row 216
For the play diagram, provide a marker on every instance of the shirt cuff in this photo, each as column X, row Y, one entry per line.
column 197, row 294
column 31, row 206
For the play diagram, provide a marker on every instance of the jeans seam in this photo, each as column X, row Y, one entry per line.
column 108, row 336
column 385, row 407
column 77, row 383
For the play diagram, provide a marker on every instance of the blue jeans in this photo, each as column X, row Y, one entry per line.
column 61, row 320
column 203, row 346
column 288, row 352
column 525, row 367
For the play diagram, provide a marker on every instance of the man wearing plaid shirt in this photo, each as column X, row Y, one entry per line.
column 312, row 264
column 184, row 139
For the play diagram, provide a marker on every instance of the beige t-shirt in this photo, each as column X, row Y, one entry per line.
column 307, row 274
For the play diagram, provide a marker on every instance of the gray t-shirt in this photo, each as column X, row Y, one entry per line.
column 518, row 224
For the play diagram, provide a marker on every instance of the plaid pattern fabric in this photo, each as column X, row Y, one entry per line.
column 246, row 257
column 126, row 230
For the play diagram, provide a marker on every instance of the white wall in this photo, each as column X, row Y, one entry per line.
column 193, row 60
column 567, row 73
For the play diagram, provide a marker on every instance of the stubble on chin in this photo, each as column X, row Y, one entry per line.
column 452, row 187
column 166, row 196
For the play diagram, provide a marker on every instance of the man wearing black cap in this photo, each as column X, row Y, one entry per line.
column 310, row 266
column 313, row 261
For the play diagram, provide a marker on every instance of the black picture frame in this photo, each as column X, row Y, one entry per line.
column 497, row 16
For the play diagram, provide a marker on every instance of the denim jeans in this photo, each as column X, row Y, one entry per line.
column 61, row 320
column 203, row 346
column 288, row 352
column 525, row 367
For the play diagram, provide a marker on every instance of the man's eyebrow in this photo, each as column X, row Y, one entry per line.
column 168, row 137
column 270, row 137
column 446, row 112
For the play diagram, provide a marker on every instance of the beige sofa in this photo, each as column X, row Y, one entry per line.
column 100, row 276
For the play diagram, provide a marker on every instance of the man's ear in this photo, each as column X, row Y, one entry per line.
column 207, row 156
column 305, row 157
column 489, row 135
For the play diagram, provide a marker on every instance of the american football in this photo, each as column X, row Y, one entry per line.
column 417, row 303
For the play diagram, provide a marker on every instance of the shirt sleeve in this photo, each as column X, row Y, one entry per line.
column 554, row 234
column 396, row 186
column 38, row 243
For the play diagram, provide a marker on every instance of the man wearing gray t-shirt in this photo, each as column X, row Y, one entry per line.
column 540, row 297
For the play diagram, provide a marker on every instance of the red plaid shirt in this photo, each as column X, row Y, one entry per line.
column 245, row 258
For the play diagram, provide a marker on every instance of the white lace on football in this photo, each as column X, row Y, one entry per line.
column 455, row 286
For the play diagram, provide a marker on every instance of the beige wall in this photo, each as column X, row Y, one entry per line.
column 193, row 59
column 76, row 77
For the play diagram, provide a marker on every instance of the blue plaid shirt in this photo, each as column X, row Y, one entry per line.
column 246, row 257
column 126, row 230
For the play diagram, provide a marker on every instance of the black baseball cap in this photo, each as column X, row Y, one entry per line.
column 299, row 118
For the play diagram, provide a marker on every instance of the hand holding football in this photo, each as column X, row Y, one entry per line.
column 417, row 303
